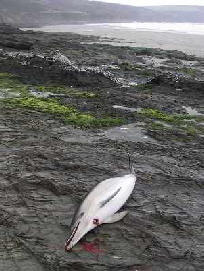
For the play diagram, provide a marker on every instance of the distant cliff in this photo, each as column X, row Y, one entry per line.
column 46, row 12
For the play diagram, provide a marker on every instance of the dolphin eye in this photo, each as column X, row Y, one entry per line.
column 96, row 221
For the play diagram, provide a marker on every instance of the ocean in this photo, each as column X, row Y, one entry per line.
column 182, row 28
column 186, row 37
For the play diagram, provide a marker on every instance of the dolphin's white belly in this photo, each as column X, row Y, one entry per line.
column 100, row 205
column 109, row 196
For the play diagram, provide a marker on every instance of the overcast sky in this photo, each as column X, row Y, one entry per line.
column 156, row 2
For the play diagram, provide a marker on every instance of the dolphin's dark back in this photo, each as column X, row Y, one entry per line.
column 77, row 215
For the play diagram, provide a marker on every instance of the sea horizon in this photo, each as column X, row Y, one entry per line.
column 180, row 28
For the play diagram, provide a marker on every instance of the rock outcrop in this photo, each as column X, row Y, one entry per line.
column 48, row 166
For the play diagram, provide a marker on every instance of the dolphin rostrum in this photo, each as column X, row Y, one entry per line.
column 101, row 206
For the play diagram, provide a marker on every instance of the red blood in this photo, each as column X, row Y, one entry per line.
column 91, row 247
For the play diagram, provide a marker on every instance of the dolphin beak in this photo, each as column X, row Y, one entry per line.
column 77, row 233
column 69, row 240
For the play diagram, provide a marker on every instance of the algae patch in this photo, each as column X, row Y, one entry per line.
column 16, row 94
column 126, row 66
column 145, row 88
column 181, row 126
column 66, row 90
column 173, row 118
column 10, row 84
column 68, row 114
column 188, row 71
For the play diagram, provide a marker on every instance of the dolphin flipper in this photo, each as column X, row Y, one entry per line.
column 116, row 217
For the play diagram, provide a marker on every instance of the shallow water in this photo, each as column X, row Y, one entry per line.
column 131, row 132
column 125, row 108
column 192, row 111
column 6, row 93
column 188, row 38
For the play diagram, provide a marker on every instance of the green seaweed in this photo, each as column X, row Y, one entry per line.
column 67, row 90
column 45, row 105
column 173, row 118
column 146, row 88
column 156, row 126
column 88, row 121
column 11, row 83
column 191, row 130
column 182, row 126
column 187, row 71
column 184, row 132
column 144, row 50
column 126, row 66
column 68, row 114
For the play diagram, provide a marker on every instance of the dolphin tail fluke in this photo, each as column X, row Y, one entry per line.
column 116, row 217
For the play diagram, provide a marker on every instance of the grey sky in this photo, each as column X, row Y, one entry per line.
column 156, row 2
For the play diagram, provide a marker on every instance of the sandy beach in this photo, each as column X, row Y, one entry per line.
column 188, row 43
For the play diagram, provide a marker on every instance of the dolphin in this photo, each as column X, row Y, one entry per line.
column 101, row 206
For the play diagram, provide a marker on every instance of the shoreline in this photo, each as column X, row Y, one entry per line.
column 71, row 111
column 187, row 43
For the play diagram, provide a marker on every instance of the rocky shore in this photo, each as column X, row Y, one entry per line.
column 70, row 110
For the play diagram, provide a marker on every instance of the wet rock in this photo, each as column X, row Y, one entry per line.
column 45, row 175
column 10, row 38
column 8, row 29
column 47, row 167
column 16, row 45
column 133, row 132
column 55, row 67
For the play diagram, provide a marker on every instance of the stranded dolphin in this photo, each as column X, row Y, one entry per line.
column 101, row 206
